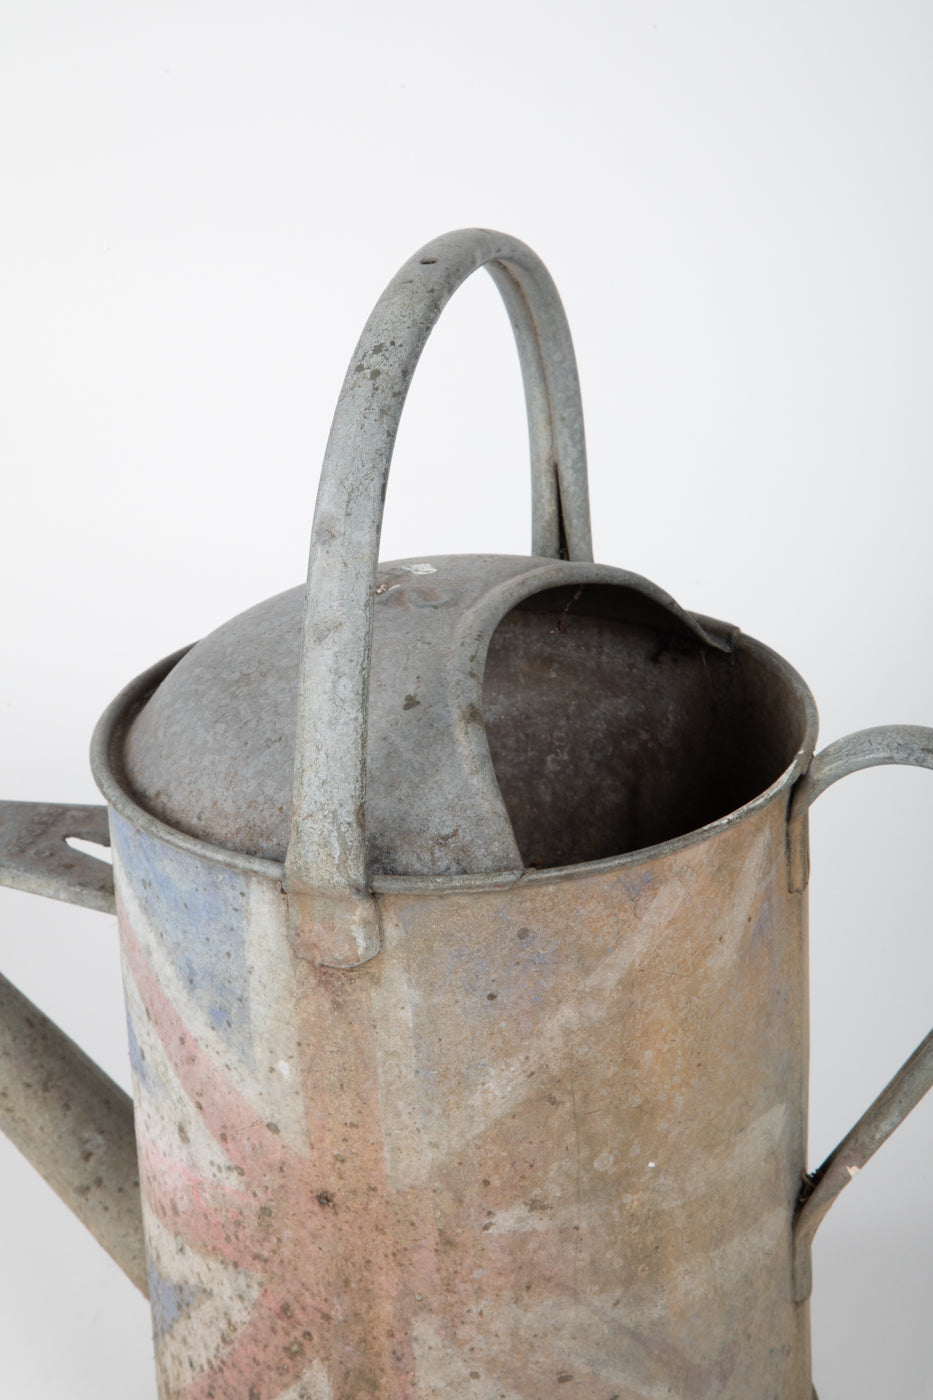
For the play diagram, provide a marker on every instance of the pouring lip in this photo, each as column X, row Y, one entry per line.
column 107, row 769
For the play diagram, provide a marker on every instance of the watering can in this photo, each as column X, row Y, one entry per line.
column 462, row 907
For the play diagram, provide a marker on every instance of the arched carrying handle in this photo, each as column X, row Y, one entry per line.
column 901, row 744
column 332, row 913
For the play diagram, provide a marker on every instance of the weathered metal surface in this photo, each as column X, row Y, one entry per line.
column 223, row 770
column 314, row 1142
column 63, row 1113
column 74, row 1125
column 822, row 1187
column 35, row 855
column 326, row 863
column 548, row 1143
column 910, row 745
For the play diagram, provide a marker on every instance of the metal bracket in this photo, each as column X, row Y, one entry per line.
column 35, row 855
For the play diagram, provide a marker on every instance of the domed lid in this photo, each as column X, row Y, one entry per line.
column 501, row 689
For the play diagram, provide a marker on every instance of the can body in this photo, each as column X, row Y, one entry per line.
column 548, row 1143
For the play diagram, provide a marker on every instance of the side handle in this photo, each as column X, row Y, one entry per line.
column 902, row 744
column 67, row 1117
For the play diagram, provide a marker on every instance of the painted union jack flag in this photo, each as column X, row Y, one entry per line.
column 415, row 1180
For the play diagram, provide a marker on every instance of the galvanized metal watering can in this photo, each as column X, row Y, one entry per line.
column 463, row 916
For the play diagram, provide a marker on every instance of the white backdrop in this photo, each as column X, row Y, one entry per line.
column 202, row 200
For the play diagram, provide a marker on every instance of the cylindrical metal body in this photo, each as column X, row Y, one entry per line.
column 548, row 1143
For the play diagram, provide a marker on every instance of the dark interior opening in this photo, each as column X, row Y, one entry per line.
column 613, row 727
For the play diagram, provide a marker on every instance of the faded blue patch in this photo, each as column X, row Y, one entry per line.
column 764, row 924
column 634, row 885
column 169, row 1301
column 140, row 1065
column 199, row 911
